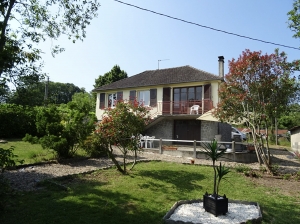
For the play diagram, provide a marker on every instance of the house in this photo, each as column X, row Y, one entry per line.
column 176, row 98
column 295, row 138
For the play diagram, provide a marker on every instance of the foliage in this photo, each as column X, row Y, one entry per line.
column 291, row 118
column 214, row 152
column 32, row 93
column 242, row 168
column 16, row 120
column 257, row 90
column 65, row 128
column 121, row 127
column 7, row 158
column 31, row 139
column 93, row 147
column 113, row 75
column 294, row 19
column 221, row 172
column 27, row 23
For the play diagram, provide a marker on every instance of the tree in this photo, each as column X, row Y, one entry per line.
column 26, row 23
column 257, row 90
column 294, row 19
column 32, row 92
column 121, row 127
column 59, row 93
column 65, row 128
column 291, row 118
column 113, row 75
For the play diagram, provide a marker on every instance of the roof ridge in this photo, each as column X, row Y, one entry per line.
column 202, row 70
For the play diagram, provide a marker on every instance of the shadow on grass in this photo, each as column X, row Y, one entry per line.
column 89, row 205
column 280, row 211
column 182, row 180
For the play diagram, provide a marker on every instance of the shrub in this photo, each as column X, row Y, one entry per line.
column 16, row 121
column 94, row 148
column 31, row 139
column 7, row 158
column 275, row 169
column 58, row 144
column 242, row 168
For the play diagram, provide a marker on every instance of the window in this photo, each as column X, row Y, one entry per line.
column 190, row 94
column 112, row 99
column 144, row 98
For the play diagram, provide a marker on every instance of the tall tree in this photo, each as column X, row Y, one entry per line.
column 24, row 24
column 32, row 92
column 113, row 75
column 294, row 19
column 257, row 90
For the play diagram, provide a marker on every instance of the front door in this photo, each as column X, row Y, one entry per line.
column 187, row 130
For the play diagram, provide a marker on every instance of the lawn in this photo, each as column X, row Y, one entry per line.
column 142, row 196
column 31, row 153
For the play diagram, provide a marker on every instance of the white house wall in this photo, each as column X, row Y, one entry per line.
column 126, row 94
column 295, row 139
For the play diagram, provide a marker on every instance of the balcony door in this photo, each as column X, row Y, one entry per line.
column 186, row 97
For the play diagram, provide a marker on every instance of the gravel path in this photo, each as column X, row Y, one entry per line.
column 26, row 178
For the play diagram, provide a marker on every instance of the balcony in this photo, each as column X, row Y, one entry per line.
column 181, row 108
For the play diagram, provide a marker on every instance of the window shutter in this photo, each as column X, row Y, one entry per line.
column 119, row 96
column 102, row 101
column 153, row 97
column 132, row 96
column 207, row 92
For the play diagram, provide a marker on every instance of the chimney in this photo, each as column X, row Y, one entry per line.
column 221, row 66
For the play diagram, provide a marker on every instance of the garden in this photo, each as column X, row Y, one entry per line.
column 144, row 194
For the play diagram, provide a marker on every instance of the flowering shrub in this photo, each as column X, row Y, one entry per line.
column 121, row 127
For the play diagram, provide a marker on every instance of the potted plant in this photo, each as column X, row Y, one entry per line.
column 214, row 203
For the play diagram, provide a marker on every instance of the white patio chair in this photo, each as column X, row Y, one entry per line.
column 195, row 108
column 150, row 141
column 142, row 141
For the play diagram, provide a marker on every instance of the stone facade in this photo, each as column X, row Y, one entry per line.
column 209, row 129
column 225, row 131
column 164, row 129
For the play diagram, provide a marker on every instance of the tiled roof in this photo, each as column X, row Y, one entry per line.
column 182, row 74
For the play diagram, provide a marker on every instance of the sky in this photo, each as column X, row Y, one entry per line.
column 136, row 39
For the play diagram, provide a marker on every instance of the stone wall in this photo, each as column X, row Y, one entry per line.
column 164, row 129
column 225, row 131
column 208, row 130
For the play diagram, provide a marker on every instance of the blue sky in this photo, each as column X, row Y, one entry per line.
column 135, row 39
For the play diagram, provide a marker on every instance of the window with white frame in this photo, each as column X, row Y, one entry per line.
column 144, row 98
column 112, row 99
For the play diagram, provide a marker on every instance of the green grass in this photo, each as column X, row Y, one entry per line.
column 31, row 153
column 142, row 196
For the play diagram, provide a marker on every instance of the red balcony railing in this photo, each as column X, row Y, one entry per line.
column 184, row 107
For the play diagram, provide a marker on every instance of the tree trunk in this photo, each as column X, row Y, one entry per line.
column 111, row 155
column 3, row 29
column 135, row 158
